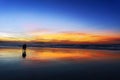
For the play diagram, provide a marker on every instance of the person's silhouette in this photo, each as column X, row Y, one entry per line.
column 24, row 47
column 24, row 50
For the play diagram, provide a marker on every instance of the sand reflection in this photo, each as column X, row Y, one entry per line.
column 47, row 54
column 73, row 54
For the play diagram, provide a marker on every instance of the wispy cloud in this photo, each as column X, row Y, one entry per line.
column 60, row 37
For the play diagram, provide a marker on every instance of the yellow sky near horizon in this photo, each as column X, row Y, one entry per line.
column 60, row 37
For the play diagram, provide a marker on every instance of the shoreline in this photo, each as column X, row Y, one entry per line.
column 71, row 47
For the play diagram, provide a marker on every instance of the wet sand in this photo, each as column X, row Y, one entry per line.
column 59, row 64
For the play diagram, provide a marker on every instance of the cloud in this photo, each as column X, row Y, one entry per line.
column 76, row 37
column 61, row 37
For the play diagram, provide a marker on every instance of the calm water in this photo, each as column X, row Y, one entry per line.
column 59, row 64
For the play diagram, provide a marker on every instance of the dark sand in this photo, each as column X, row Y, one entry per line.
column 59, row 64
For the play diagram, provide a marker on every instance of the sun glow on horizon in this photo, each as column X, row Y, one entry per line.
column 60, row 37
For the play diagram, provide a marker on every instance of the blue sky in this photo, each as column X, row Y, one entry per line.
column 60, row 15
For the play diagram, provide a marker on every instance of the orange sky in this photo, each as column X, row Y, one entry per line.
column 61, row 37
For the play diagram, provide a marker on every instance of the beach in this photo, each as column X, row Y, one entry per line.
column 59, row 64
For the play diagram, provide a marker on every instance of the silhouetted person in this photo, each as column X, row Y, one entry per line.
column 24, row 47
column 24, row 54
column 24, row 50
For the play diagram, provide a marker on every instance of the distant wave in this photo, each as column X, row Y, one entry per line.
column 85, row 46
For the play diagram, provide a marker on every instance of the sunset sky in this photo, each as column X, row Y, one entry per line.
column 63, row 21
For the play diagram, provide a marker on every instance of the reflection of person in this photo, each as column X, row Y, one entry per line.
column 24, row 54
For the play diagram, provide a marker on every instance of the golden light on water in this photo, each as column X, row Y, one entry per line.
column 72, row 54
column 53, row 54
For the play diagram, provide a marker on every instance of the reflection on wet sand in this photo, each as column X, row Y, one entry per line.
column 24, row 54
column 47, row 54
